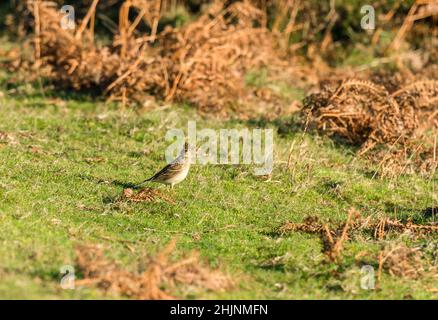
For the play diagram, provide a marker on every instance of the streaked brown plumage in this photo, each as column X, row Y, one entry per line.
column 174, row 172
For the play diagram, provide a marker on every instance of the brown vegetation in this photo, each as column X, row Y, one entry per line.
column 158, row 279
column 145, row 195
column 402, row 261
column 334, row 236
column 203, row 62
column 366, row 114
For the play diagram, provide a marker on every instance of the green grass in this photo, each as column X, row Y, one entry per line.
column 74, row 157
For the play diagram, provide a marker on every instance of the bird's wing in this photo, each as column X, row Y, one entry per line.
column 167, row 172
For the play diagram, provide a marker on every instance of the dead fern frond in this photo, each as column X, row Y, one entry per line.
column 364, row 84
column 420, row 87
column 156, row 277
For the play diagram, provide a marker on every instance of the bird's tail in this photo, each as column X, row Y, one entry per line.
column 142, row 183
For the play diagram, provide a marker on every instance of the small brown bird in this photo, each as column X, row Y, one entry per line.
column 174, row 172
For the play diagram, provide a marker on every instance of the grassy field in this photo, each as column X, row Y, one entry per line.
column 64, row 161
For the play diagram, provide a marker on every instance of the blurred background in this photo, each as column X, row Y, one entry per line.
column 203, row 52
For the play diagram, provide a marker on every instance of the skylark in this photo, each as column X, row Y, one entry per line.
column 174, row 172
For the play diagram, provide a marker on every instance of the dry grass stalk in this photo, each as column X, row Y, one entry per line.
column 37, row 32
column 421, row 9
column 337, row 245
column 334, row 240
column 90, row 14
